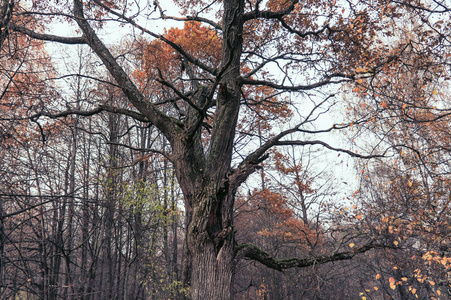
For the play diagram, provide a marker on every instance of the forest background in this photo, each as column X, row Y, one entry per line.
column 252, row 149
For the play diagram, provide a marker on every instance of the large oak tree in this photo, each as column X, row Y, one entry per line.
column 254, row 54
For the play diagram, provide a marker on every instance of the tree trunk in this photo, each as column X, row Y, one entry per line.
column 207, row 183
column 211, row 254
column 212, row 272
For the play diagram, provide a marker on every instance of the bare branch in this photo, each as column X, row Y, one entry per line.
column 308, row 33
column 87, row 77
column 196, row 18
column 254, row 253
column 250, row 163
column 2, row 217
column 48, row 37
column 187, row 18
column 291, row 87
column 168, row 125
column 86, row 113
column 444, row 8
column 305, row 143
column 178, row 93
column 161, row 37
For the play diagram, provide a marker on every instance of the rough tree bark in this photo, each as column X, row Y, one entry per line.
column 210, row 234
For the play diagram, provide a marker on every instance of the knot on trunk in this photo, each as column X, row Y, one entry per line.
column 220, row 237
column 223, row 93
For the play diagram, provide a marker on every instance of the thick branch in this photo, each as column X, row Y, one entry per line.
column 253, row 252
column 291, row 88
column 163, row 122
column 195, row 18
column 308, row 33
column 86, row 113
column 257, row 14
column 189, row 18
column 49, row 37
column 251, row 162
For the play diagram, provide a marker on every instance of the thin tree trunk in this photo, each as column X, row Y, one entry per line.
column 174, row 270
column 2, row 249
column 6, row 9
column 71, row 211
column 110, row 204
column 84, row 279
